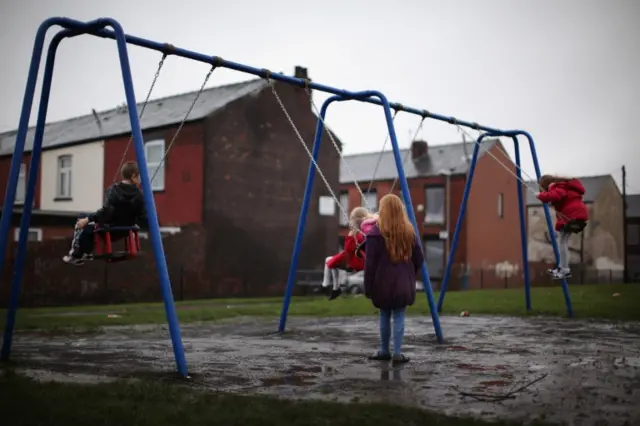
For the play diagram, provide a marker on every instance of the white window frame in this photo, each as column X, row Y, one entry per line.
column 156, row 184
column 501, row 205
column 60, row 192
column 436, row 271
column 22, row 176
column 344, row 201
column 368, row 195
column 38, row 231
column 428, row 220
column 164, row 231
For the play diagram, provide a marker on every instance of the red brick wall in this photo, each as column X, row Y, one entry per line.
column 417, row 187
column 5, row 165
column 48, row 232
column 493, row 239
column 255, row 174
column 181, row 201
column 50, row 282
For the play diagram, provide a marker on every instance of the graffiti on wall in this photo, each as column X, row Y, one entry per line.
column 596, row 247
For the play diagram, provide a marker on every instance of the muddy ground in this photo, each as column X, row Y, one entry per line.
column 592, row 368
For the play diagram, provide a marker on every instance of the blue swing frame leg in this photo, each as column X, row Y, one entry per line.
column 547, row 215
column 523, row 227
column 74, row 28
column 307, row 198
column 523, row 233
column 34, row 166
column 459, row 221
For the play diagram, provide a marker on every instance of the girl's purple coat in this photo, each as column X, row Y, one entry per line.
column 389, row 285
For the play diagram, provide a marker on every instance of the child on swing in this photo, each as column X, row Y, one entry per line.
column 565, row 195
column 352, row 257
column 123, row 206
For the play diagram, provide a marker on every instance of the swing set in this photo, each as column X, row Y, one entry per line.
column 98, row 27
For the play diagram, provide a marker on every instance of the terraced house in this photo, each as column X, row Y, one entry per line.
column 228, row 192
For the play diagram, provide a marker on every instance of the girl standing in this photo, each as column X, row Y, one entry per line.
column 393, row 258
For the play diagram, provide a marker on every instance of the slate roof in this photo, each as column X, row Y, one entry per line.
column 450, row 157
column 633, row 205
column 592, row 186
column 158, row 113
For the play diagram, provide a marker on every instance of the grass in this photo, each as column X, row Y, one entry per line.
column 24, row 402
column 589, row 301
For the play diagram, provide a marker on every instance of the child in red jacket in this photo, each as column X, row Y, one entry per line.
column 565, row 195
column 350, row 258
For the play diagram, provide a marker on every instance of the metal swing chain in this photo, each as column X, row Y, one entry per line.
column 144, row 105
column 337, row 148
column 310, row 154
column 504, row 166
column 408, row 154
column 184, row 120
column 384, row 145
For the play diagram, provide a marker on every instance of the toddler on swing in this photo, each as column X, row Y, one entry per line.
column 351, row 259
column 565, row 195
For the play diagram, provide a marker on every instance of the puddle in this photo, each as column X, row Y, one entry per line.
column 589, row 371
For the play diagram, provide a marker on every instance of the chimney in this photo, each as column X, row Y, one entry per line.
column 419, row 150
column 300, row 72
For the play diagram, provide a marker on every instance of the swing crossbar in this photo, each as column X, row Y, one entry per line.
column 97, row 28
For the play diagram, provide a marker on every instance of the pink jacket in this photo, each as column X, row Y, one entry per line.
column 368, row 224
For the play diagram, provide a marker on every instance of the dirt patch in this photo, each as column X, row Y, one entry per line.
column 592, row 368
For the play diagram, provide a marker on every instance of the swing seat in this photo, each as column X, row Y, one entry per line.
column 575, row 226
column 103, row 243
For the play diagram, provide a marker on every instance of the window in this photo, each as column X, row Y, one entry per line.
column 344, row 202
column 370, row 200
column 154, row 151
column 434, row 210
column 633, row 234
column 64, row 177
column 326, row 206
column 434, row 255
column 501, row 205
column 21, row 189
column 34, row 234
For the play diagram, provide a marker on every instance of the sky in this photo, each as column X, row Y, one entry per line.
column 567, row 71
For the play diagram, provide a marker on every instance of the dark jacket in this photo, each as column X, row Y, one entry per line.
column 389, row 285
column 123, row 206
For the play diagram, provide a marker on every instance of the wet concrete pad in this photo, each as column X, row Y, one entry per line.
column 591, row 369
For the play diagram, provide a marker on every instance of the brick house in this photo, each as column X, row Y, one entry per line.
column 599, row 249
column 633, row 236
column 233, row 182
column 490, row 237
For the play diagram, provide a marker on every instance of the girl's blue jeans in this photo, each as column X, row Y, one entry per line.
column 385, row 330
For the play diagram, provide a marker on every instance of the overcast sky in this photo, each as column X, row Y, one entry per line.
column 565, row 70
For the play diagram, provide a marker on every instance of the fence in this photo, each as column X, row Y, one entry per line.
column 492, row 278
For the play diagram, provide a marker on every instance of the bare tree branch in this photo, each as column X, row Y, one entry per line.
column 511, row 394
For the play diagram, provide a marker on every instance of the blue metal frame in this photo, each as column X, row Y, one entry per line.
column 360, row 96
column 523, row 232
column 96, row 27
column 75, row 28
